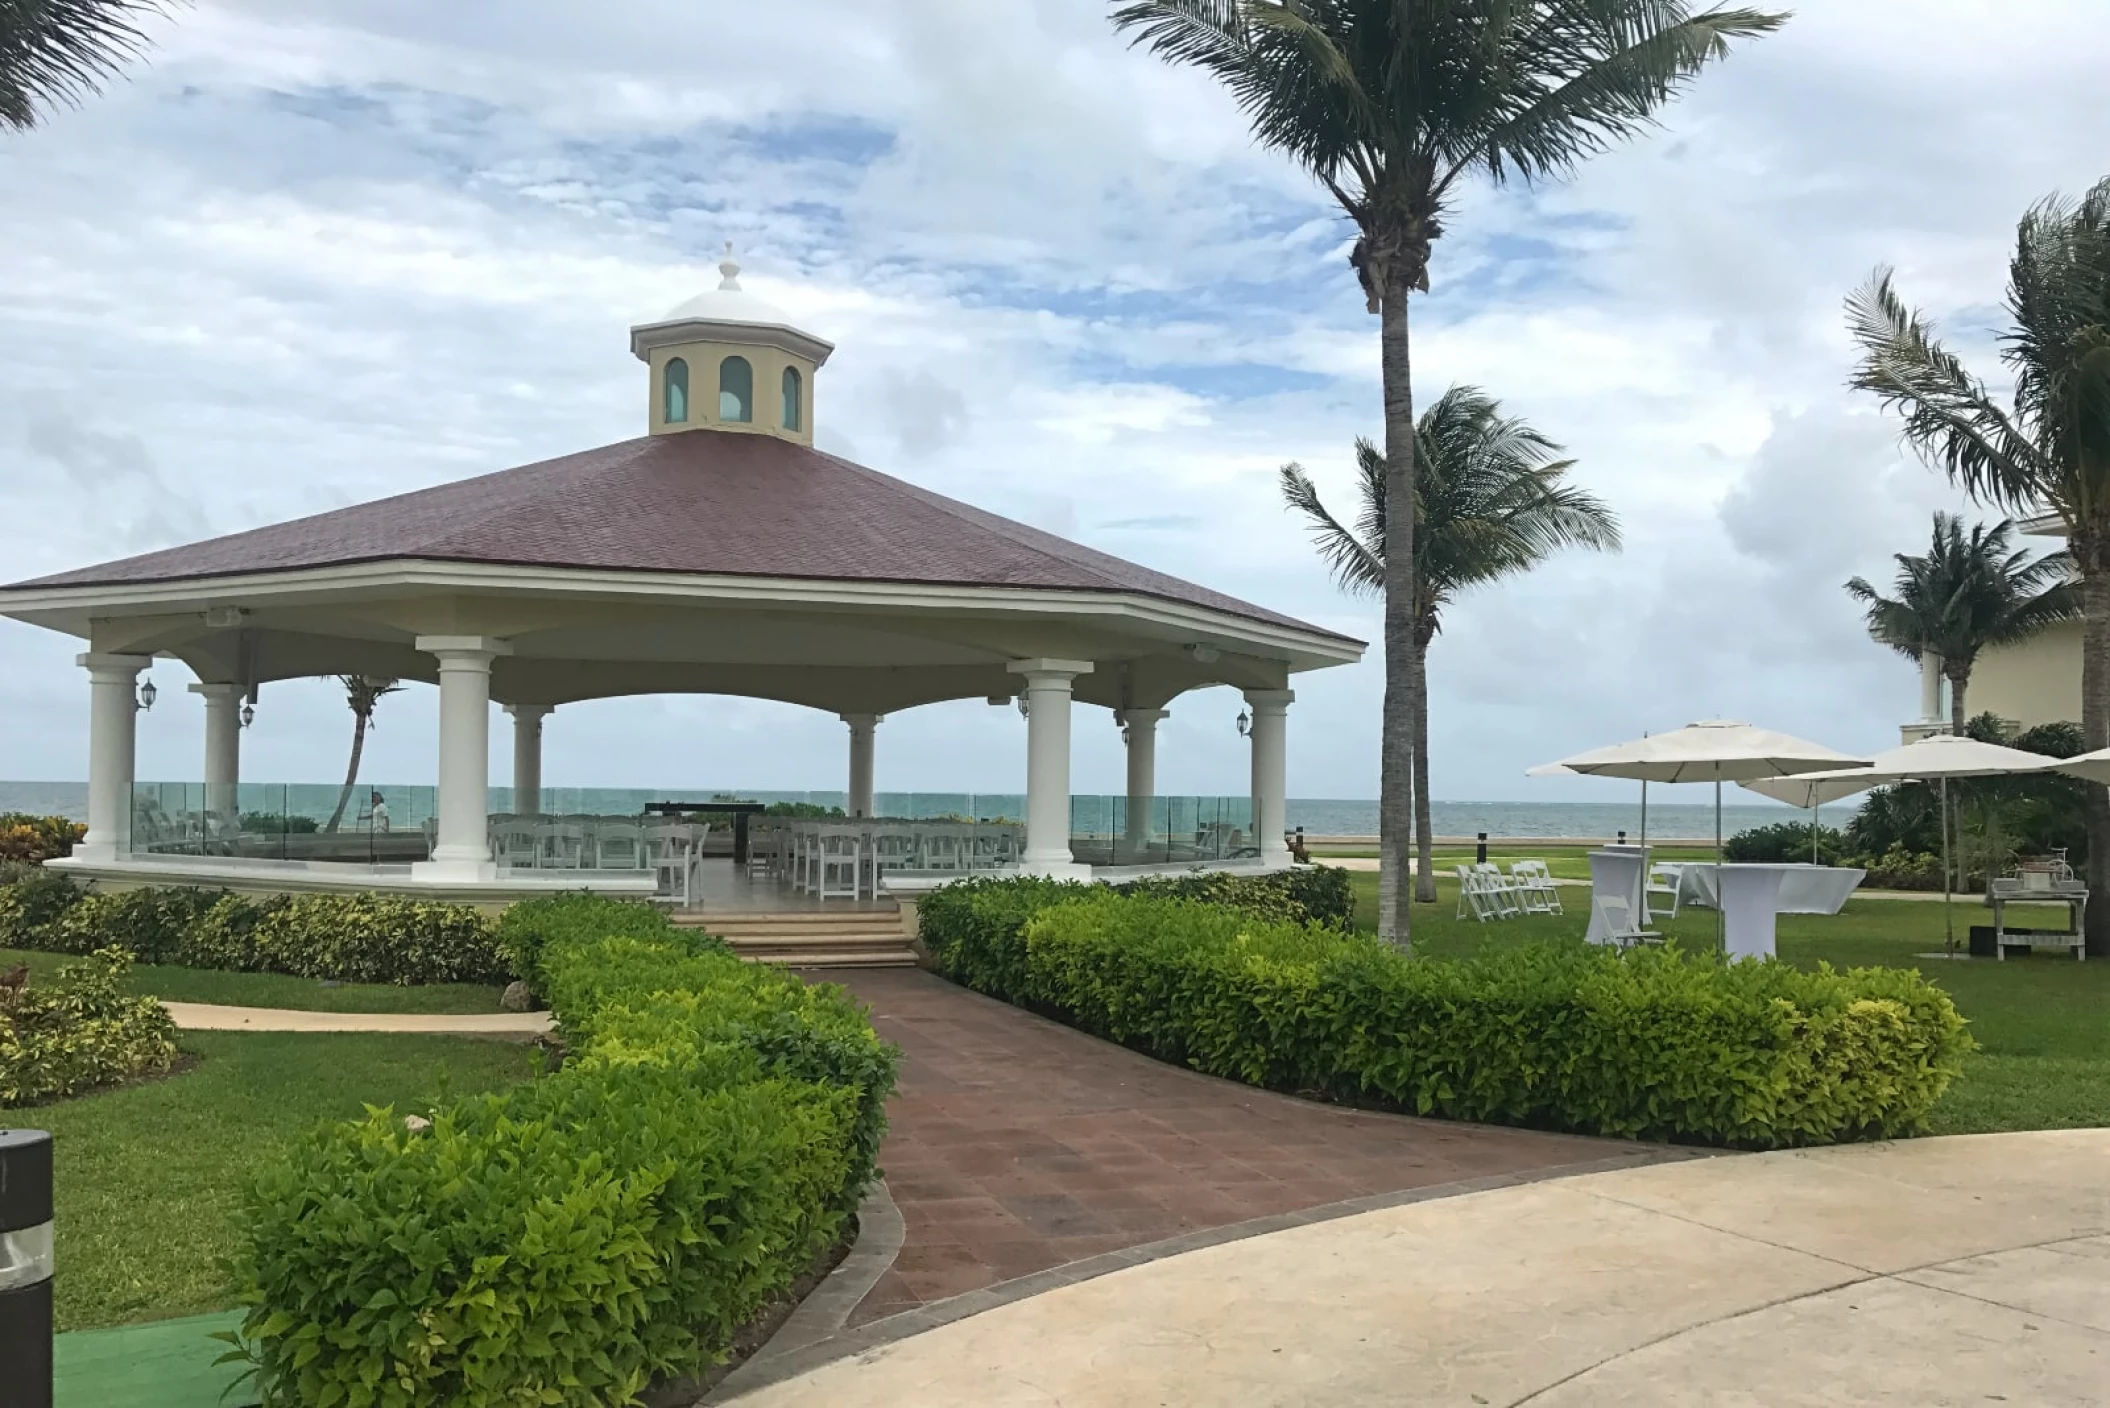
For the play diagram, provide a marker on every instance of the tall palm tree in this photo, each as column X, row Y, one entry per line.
column 2051, row 451
column 1392, row 105
column 361, row 694
column 59, row 51
column 1969, row 592
column 1490, row 503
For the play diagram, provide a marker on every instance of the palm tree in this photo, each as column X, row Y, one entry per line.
column 1391, row 106
column 1490, row 504
column 2051, row 451
column 1969, row 592
column 59, row 51
column 361, row 694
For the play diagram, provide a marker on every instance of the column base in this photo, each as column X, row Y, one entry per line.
column 446, row 871
column 1046, row 869
column 93, row 855
column 1277, row 858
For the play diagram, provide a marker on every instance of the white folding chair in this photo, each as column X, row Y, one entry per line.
column 1474, row 895
column 1619, row 925
column 893, row 848
column 1500, row 888
column 619, row 845
column 941, row 848
column 516, row 844
column 838, row 862
column 1661, row 881
column 563, row 844
column 672, row 850
column 763, row 854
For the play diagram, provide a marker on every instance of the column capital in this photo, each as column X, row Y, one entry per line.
column 1270, row 699
column 862, row 720
column 96, row 661
column 1041, row 668
column 462, row 647
column 530, row 713
column 214, row 692
column 1146, row 718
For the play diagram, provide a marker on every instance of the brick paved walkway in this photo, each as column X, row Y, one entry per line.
column 1018, row 1144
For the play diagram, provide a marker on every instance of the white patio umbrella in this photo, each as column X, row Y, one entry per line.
column 1805, row 791
column 2095, row 767
column 1714, row 750
column 1935, row 758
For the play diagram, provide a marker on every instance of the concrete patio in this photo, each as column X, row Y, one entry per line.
column 1955, row 1271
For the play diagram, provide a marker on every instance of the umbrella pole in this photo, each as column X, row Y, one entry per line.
column 1813, row 830
column 1948, row 917
column 1721, row 914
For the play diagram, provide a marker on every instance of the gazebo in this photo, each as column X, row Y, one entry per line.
column 719, row 553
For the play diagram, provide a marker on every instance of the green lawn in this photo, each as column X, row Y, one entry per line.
column 148, row 1177
column 278, row 990
column 2043, row 1022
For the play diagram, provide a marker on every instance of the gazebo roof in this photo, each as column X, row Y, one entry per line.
column 707, row 501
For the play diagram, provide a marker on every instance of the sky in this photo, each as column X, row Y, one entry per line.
column 319, row 251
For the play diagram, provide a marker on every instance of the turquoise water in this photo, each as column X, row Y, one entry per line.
column 408, row 806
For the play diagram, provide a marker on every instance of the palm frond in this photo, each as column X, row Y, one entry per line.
column 1589, row 74
column 1357, row 566
column 54, row 53
column 1949, row 418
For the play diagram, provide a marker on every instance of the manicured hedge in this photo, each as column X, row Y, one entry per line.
column 1648, row 1044
column 79, row 1030
column 602, row 1228
column 363, row 938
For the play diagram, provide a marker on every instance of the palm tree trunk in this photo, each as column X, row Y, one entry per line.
column 1424, row 839
column 351, row 771
column 1959, row 681
column 2091, row 553
column 1395, row 807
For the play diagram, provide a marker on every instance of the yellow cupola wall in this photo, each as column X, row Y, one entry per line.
column 726, row 360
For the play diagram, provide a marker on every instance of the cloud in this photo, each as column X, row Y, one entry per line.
column 312, row 256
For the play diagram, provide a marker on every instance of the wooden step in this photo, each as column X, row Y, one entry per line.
column 860, row 959
column 793, row 943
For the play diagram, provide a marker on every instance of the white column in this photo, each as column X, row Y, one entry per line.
column 1048, row 765
column 113, row 716
column 462, row 848
column 223, row 749
column 527, row 757
column 1930, row 687
column 861, row 730
column 1141, row 726
column 1270, row 739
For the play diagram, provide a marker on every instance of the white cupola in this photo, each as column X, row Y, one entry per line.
column 726, row 360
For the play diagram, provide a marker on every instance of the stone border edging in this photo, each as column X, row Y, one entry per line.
column 772, row 1367
column 819, row 1317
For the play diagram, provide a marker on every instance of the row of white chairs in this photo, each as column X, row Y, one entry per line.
column 1486, row 893
column 850, row 860
column 669, row 848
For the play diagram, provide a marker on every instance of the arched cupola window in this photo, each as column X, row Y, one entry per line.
column 794, row 407
column 736, row 390
column 675, row 409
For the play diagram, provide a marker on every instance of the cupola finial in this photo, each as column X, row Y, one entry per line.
column 729, row 270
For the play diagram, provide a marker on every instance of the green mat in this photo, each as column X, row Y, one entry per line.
column 165, row 1364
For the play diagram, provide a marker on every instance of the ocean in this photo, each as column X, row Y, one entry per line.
column 1320, row 816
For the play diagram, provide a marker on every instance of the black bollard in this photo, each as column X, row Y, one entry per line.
column 1480, row 852
column 25, row 1268
column 1622, row 838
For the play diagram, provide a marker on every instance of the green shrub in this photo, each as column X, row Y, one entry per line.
column 379, row 939
column 32, row 905
column 79, row 1030
column 277, row 823
column 36, row 839
column 1647, row 1044
column 364, row 938
column 1900, row 869
column 1318, row 894
column 1784, row 842
column 572, row 1241
column 527, row 928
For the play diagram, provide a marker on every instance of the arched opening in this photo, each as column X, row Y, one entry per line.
column 794, row 411
column 736, row 390
column 676, row 407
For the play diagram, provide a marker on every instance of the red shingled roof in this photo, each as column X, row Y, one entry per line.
column 704, row 501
